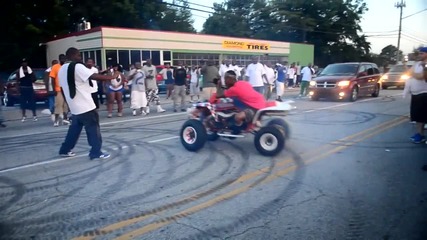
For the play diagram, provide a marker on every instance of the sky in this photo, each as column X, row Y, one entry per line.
column 380, row 22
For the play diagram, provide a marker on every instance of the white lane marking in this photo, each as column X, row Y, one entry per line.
column 346, row 104
column 143, row 118
column 80, row 155
column 39, row 163
column 163, row 139
column 101, row 124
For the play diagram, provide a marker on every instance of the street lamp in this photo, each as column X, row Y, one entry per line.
column 400, row 5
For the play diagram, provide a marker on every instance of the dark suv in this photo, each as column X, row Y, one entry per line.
column 346, row 81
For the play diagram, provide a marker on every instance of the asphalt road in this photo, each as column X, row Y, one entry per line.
column 349, row 172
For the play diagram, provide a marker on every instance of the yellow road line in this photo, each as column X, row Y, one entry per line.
column 226, row 196
column 248, row 176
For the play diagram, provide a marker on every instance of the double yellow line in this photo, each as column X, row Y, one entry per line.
column 315, row 155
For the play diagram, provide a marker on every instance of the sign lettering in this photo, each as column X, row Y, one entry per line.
column 245, row 45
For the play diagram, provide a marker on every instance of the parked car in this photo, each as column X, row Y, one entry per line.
column 396, row 76
column 160, row 81
column 346, row 81
column 11, row 89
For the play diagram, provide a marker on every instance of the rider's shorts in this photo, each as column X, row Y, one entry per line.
column 249, row 114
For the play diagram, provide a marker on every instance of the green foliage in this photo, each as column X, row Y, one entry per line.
column 29, row 23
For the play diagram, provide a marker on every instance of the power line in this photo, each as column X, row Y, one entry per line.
column 196, row 4
column 410, row 15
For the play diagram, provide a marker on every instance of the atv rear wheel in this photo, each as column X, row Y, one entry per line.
column 269, row 140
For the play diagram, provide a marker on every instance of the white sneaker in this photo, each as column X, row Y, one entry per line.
column 52, row 117
column 35, row 119
column 65, row 122
column 134, row 112
column 68, row 154
column 23, row 119
column 160, row 109
column 56, row 124
column 147, row 110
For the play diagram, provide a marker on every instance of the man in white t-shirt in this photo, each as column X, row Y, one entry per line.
column 78, row 94
column 307, row 76
column 270, row 79
column 255, row 74
column 291, row 75
column 151, row 88
column 416, row 86
column 225, row 68
column 91, row 67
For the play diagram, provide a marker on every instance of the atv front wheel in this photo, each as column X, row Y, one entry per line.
column 193, row 135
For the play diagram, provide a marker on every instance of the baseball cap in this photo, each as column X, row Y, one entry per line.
column 422, row 49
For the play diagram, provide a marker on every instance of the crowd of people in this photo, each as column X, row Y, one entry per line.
column 76, row 88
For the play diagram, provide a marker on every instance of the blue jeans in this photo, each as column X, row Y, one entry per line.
column 260, row 89
column 51, row 103
column 90, row 121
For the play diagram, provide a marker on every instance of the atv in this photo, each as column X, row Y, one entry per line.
column 210, row 121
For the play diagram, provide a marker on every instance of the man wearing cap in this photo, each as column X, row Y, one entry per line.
column 416, row 87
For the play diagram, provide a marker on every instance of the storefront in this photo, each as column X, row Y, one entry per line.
column 109, row 45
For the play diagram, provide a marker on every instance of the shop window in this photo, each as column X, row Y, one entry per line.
column 166, row 56
column 124, row 59
column 92, row 55
column 85, row 56
column 111, row 56
column 146, row 55
column 155, row 57
column 98, row 58
column 135, row 56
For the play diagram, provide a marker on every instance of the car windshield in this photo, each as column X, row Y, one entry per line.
column 340, row 70
column 400, row 68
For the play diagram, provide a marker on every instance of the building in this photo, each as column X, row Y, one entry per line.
column 109, row 45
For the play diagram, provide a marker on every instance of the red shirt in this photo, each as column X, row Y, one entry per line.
column 244, row 92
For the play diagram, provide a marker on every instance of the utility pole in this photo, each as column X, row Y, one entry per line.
column 400, row 5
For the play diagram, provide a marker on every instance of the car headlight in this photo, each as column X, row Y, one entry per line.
column 313, row 83
column 404, row 77
column 344, row 83
column 384, row 77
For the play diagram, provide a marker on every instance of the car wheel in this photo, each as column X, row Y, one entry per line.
column 376, row 92
column 282, row 124
column 384, row 87
column 269, row 141
column 193, row 135
column 354, row 94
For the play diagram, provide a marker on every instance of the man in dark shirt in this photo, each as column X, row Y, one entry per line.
column 180, row 75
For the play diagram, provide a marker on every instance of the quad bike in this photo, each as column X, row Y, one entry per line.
column 208, row 122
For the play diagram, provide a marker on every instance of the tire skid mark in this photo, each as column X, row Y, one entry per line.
column 29, row 228
column 192, row 210
column 18, row 193
column 216, row 188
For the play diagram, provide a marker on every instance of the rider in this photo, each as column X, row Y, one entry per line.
column 246, row 99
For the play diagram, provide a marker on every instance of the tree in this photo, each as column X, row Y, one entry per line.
column 178, row 18
column 231, row 18
column 389, row 53
column 29, row 24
